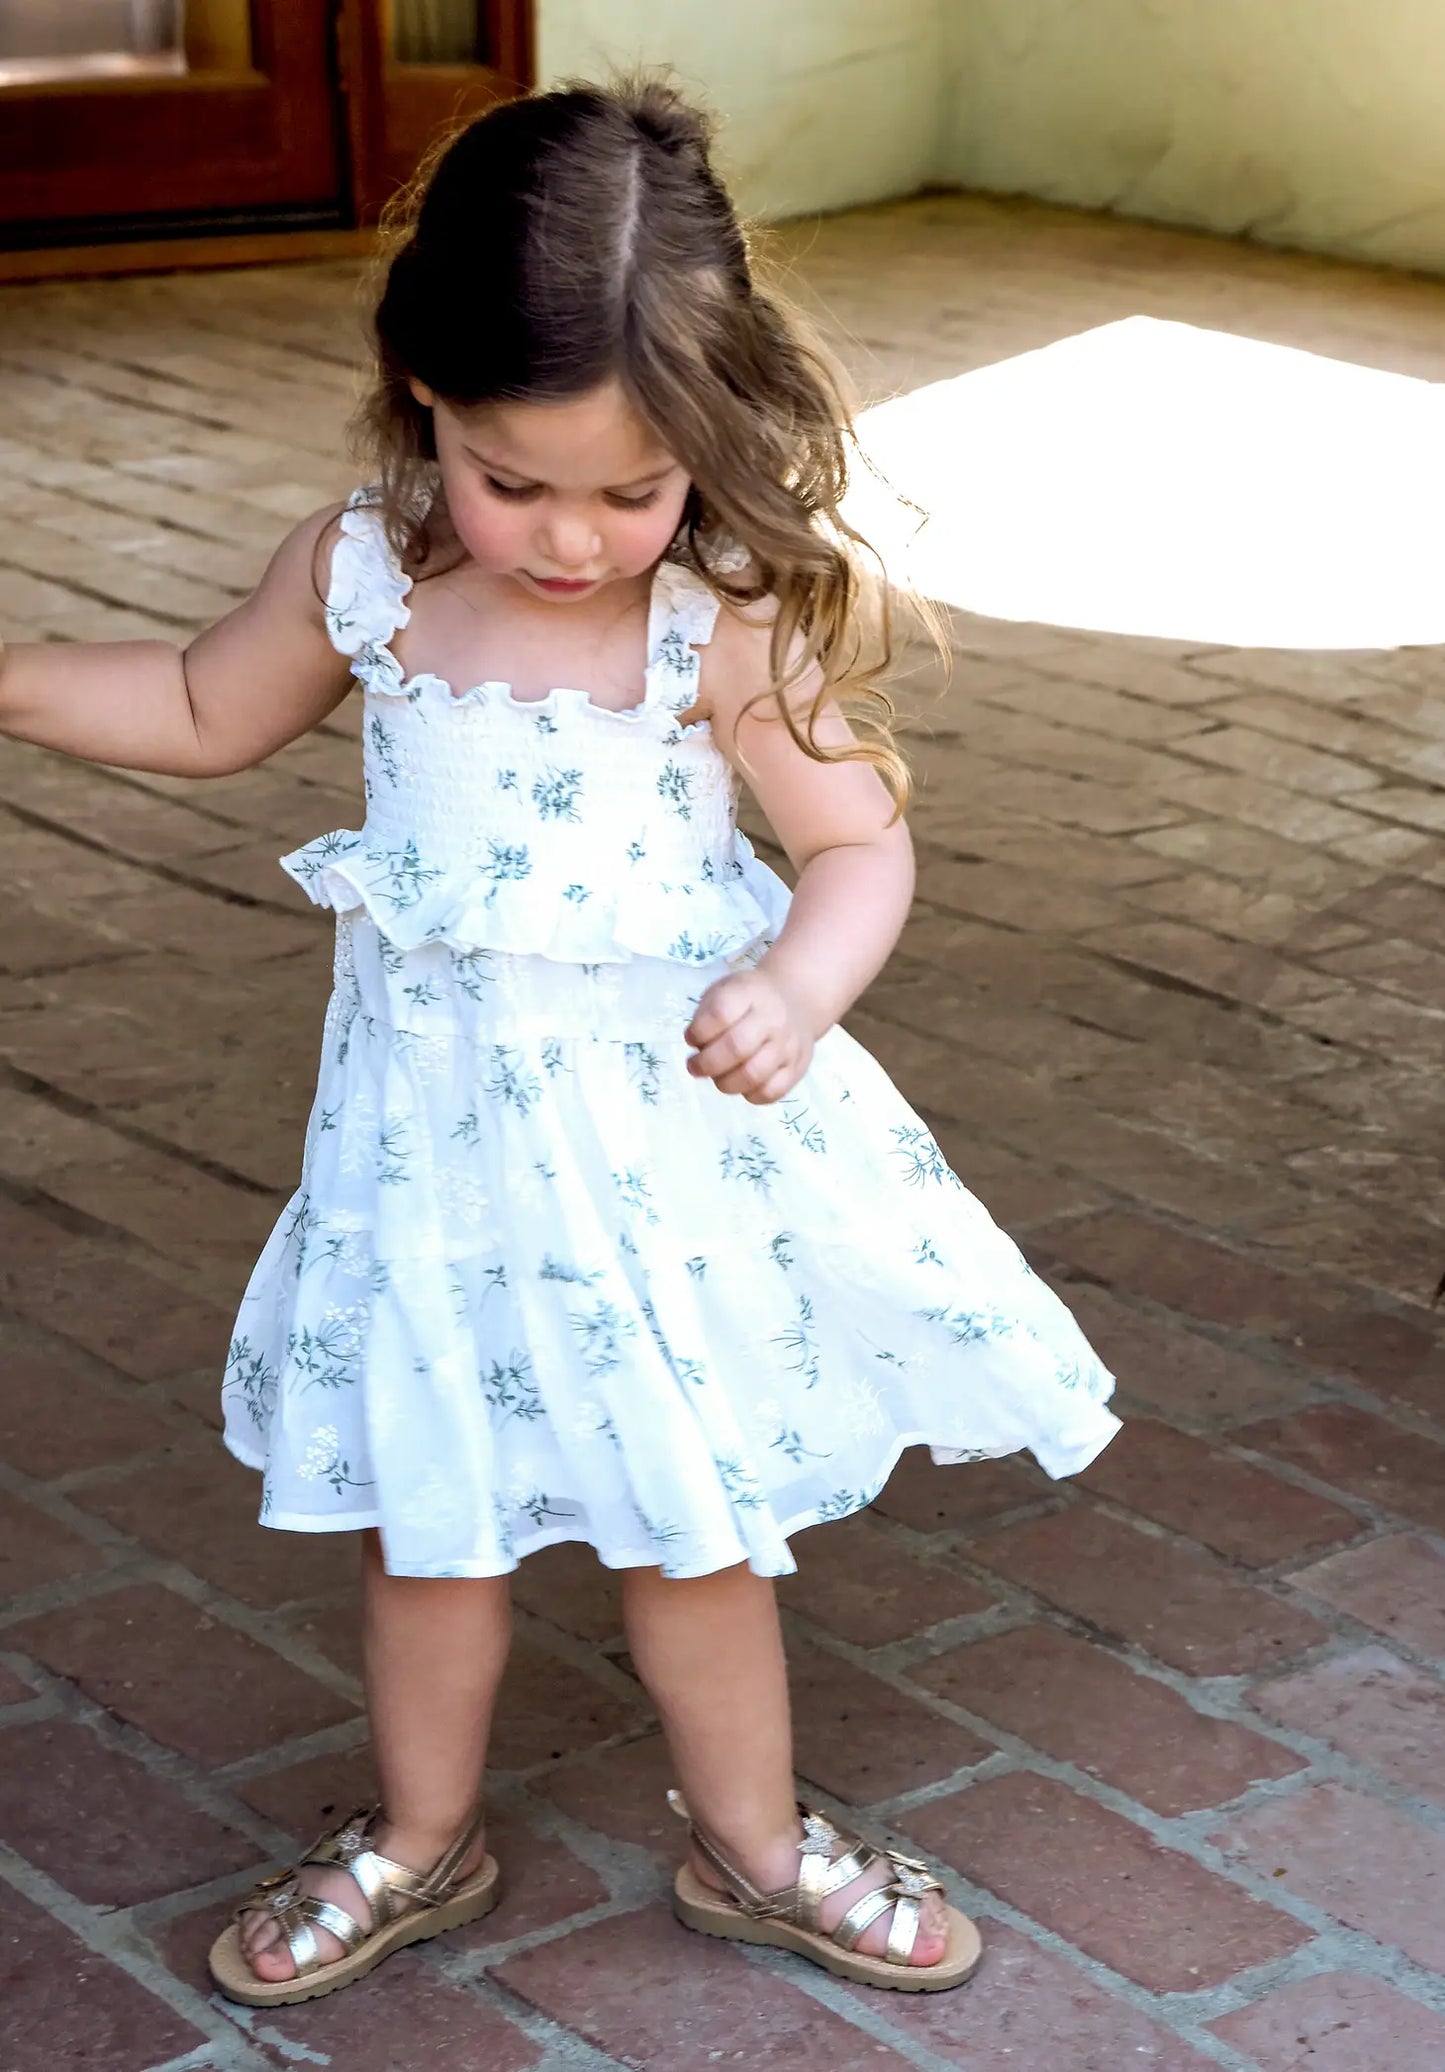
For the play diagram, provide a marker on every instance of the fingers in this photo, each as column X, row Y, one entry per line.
column 752, row 1075
column 782, row 1082
column 760, row 1074
column 728, row 1046
column 721, row 1007
column 744, row 1041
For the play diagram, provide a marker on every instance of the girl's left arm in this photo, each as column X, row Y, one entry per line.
column 754, row 1031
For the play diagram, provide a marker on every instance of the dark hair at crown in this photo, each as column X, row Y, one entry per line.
column 582, row 235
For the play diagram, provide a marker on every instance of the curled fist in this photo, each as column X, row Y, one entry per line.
column 750, row 1037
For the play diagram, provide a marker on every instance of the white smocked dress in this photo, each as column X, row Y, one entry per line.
column 537, row 1282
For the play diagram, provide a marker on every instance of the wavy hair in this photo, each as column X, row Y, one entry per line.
column 582, row 235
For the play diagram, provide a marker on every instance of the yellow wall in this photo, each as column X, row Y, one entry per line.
column 1305, row 122
column 827, row 102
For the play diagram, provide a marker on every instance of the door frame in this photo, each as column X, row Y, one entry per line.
column 321, row 201
column 395, row 111
column 237, row 142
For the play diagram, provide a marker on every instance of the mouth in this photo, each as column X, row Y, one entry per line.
column 562, row 586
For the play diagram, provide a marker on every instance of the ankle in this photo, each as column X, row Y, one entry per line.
column 419, row 1844
column 766, row 1852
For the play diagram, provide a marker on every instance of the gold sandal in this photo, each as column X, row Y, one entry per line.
column 439, row 1902
column 790, row 1919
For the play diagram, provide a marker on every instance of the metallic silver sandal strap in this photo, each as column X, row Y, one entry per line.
column 861, row 1916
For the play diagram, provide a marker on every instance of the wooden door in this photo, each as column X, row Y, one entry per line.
column 413, row 68
column 244, row 130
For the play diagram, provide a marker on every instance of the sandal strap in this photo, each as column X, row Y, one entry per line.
column 336, row 1921
column 297, row 1913
column 444, row 1874
column 907, row 1913
column 820, row 1873
column 861, row 1916
column 757, row 1904
column 383, row 1881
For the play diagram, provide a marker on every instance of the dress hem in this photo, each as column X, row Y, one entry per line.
column 1078, row 1458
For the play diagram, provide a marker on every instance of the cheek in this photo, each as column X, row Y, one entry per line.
column 492, row 532
column 640, row 538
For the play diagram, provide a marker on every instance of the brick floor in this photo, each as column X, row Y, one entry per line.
column 1170, row 999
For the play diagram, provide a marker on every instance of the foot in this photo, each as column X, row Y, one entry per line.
column 265, row 1948
column 774, row 1866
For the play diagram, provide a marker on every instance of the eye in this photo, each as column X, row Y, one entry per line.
column 633, row 503
column 511, row 492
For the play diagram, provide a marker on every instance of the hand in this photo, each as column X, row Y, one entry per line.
column 750, row 1037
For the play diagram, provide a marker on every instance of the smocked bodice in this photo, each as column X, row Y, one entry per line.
column 550, row 826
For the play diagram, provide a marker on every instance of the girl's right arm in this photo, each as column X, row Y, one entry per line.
column 258, row 678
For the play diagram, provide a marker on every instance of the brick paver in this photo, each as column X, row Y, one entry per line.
column 1170, row 999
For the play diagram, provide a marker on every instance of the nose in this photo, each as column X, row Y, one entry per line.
column 570, row 541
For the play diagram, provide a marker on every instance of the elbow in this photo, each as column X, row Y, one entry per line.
column 217, row 762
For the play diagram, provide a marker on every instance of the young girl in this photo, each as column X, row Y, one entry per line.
column 605, row 1231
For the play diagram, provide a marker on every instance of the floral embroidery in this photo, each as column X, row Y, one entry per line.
column 323, row 1461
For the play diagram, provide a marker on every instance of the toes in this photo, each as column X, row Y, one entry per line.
column 929, row 1946
column 931, row 1941
column 258, row 1932
column 274, row 1963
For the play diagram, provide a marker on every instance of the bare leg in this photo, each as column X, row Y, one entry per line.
column 710, row 1652
column 435, row 1652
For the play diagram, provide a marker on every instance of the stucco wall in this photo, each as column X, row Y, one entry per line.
column 1304, row 122
column 827, row 102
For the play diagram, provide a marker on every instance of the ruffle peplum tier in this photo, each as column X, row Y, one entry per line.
column 509, row 903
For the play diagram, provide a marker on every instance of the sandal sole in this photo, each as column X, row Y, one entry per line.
column 235, row 1978
column 698, row 1907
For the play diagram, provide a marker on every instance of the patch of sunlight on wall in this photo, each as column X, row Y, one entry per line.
column 1152, row 478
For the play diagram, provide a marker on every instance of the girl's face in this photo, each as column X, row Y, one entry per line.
column 560, row 497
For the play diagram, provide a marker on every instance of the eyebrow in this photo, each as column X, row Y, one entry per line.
column 499, row 467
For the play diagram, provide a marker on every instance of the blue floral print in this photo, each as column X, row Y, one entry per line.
column 538, row 1282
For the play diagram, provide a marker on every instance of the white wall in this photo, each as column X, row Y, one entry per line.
column 827, row 102
column 1305, row 122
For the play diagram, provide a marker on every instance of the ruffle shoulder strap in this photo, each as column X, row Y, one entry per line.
column 366, row 600
column 682, row 619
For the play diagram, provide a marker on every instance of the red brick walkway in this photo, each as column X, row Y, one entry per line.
column 1172, row 997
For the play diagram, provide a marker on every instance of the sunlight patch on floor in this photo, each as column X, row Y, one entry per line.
column 1153, row 478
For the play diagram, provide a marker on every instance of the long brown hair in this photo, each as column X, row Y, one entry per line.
column 580, row 235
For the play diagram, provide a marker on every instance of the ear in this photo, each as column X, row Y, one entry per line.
column 425, row 396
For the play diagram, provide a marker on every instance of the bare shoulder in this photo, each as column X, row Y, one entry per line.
column 300, row 567
column 738, row 666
